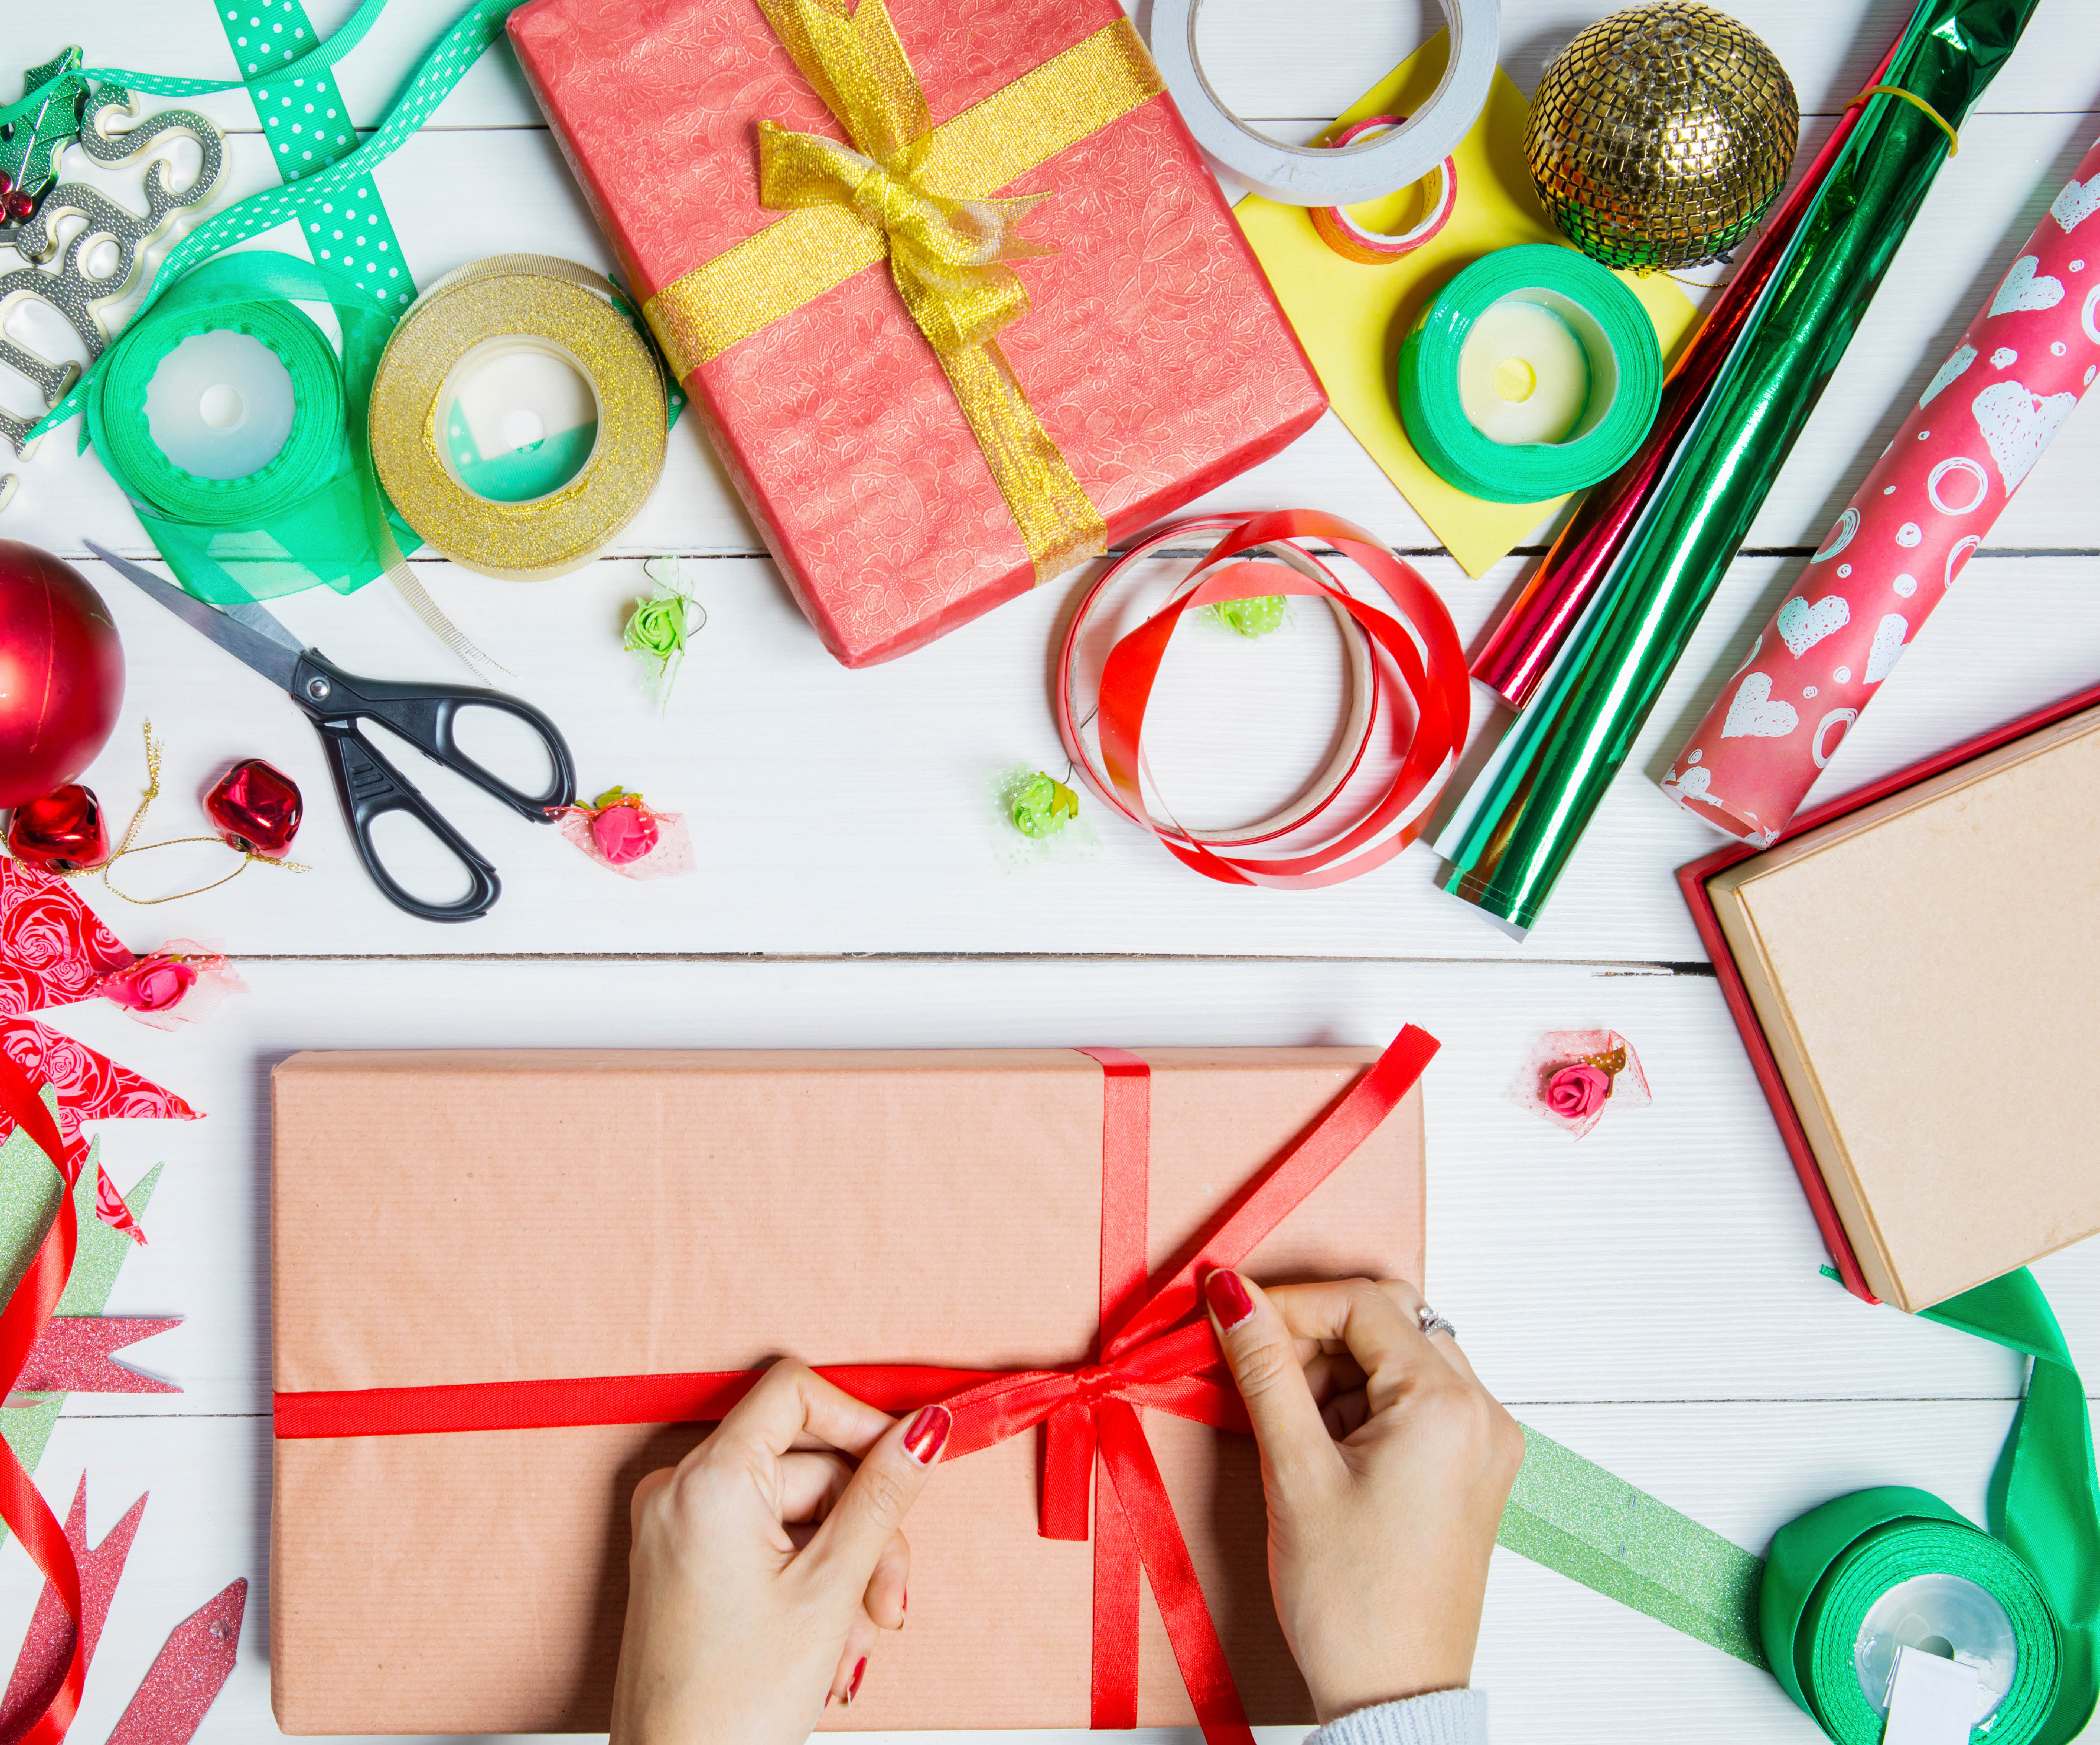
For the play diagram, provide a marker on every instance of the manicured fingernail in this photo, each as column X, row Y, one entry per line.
column 860, row 1668
column 1228, row 1298
column 926, row 1434
column 903, row 1606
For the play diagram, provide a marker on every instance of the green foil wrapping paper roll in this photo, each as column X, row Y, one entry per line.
column 1513, row 837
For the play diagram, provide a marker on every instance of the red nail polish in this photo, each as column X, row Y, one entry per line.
column 860, row 1670
column 903, row 1603
column 927, row 1433
column 1228, row 1298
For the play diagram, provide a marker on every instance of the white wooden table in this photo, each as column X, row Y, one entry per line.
column 1650, row 1296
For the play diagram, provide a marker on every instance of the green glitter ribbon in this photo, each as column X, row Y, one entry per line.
column 1801, row 1613
column 1593, row 1528
column 1528, row 810
column 29, row 1190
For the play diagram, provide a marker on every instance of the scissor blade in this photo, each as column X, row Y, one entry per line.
column 276, row 657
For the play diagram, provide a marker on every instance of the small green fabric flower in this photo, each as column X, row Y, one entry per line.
column 1251, row 617
column 660, row 626
column 1043, row 806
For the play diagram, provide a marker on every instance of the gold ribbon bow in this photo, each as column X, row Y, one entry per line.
column 923, row 197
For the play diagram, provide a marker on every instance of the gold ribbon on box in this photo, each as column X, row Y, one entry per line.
column 923, row 197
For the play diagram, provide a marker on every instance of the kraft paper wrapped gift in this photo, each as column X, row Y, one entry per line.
column 1925, row 971
column 1149, row 347
column 441, row 1221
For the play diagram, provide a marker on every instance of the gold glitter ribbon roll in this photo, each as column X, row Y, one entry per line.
column 544, row 304
column 923, row 197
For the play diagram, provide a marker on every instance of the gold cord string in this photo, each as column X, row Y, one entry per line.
column 153, row 792
column 1940, row 121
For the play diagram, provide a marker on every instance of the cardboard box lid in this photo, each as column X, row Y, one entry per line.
column 478, row 1216
column 1927, row 972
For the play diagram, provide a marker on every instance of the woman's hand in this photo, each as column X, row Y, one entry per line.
column 1387, row 1465
column 765, row 1567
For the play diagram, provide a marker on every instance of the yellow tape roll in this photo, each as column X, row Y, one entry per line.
column 538, row 303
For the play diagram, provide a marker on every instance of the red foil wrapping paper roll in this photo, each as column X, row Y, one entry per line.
column 2027, row 359
column 1530, row 634
column 1422, row 664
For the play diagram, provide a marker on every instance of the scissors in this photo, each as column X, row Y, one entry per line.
column 368, row 786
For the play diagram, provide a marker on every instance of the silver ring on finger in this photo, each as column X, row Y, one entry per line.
column 1433, row 1324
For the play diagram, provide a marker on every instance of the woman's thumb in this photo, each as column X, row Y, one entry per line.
column 1294, row 1440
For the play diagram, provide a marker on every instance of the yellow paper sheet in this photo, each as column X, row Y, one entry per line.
column 1353, row 318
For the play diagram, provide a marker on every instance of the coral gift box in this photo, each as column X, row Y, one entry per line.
column 1149, row 351
column 482, row 1261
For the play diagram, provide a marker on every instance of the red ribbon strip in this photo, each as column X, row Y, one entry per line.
column 1415, row 656
column 29, row 1311
column 1156, row 1349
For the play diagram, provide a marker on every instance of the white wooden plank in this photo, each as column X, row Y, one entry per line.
column 851, row 812
column 456, row 197
column 1561, row 1665
column 1331, row 52
column 1669, row 1255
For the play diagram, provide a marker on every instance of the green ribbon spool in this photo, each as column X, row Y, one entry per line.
column 1616, row 336
column 310, row 515
column 1828, row 1569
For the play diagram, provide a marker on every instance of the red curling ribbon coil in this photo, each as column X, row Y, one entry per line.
column 1413, row 658
column 1370, row 248
column 1156, row 1349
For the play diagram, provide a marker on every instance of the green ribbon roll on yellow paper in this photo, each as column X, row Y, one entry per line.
column 1532, row 373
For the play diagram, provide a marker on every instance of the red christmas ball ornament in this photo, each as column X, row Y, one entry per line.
column 62, row 830
column 61, row 673
column 256, row 807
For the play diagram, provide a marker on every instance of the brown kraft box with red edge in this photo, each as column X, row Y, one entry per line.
column 498, row 1216
column 1153, row 351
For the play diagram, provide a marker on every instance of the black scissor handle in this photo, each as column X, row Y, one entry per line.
column 369, row 787
column 425, row 714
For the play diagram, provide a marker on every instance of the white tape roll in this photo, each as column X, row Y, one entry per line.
column 1300, row 176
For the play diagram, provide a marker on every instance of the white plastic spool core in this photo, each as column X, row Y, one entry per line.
column 1324, row 175
column 1944, row 1615
column 220, row 405
column 517, row 419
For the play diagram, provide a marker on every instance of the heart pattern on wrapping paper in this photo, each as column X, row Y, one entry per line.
column 1888, row 647
column 2017, row 425
column 2025, row 289
column 1693, row 783
column 2078, row 202
column 1753, row 714
column 1801, row 627
column 1958, row 365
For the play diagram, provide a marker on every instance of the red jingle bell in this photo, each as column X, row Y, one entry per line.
column 61, row 673
column 255, row 808
column 62, row 830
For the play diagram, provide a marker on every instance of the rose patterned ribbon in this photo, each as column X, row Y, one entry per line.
column 1156, row 1349
column 922, row 197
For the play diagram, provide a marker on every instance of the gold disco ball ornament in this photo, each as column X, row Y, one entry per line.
column 1661, row 135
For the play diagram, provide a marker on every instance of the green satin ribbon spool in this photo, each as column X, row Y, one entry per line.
column 1828, row 1569
column 308, row 516
column 1624, row 377
column 1800, row 1612
column 1524, row 815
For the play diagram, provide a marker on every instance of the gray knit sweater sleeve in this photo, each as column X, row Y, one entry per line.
column 1443, row 1717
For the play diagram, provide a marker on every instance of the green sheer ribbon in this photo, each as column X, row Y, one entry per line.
column 1800, row 1613
column 310, row 515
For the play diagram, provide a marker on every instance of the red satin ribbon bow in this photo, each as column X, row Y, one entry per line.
column 1156, row 1349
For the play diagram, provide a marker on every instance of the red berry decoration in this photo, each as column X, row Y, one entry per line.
column 6, row 184
column 255, row 808
column 61, row 673
column 20, row 204
column 62, row 831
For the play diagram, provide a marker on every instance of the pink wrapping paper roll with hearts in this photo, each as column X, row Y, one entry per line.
column 1979, row 428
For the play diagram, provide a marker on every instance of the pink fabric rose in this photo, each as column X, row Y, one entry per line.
column 624, row 834
column 1578, row 1092
column 150, row 984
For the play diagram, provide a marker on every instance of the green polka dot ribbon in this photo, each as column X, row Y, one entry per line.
column 338, row 193
column 307, row 127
